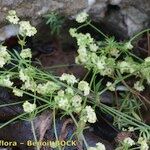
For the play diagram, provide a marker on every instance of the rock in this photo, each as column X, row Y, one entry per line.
column 125, row 16
column 36, row 9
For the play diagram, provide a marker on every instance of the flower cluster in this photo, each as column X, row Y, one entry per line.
column 99, row 146
column 12, row 17
column 81, row 17
column 88, row 115
column 143, row 144
column 28, row 107
column 145, row 69
column 25, row 28
column 70, row 79
column 26, row 75
column 4, row 56
column 138, row 86
column 26, row 53
column 87, row 54
column 128, row 141
column 84, row 86
column 128, row 66
column 17, row 92
column 110, row 86
column 5, row 81
column 68, row 101
column 47, row 88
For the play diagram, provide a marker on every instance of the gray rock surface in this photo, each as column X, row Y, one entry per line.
column 127, row 16
column 124, row 16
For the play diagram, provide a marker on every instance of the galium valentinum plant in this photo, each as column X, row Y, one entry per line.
column 78, row 97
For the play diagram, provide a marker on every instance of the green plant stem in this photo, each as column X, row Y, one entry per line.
column 83, row 25
column 141, row 60
column 34, row 135
column 97, row 30
column 11, row 120
column 11, row 104
column 134, row 37
column 84, row 140
column 60, row 66
column 55, row 130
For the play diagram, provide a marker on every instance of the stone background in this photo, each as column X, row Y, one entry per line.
column 124, row 16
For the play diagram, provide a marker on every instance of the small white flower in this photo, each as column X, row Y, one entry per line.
column 99, row 146
column 63, row 103
column 84, row 86
column 91, row 116
column 110, row 86
column 84, row 40
column 147, row 59
column 93, row 47
column 26, row 29
column 123, row 66
column 2, row 62
column 72, row 32
column 28, row 107
column 128, row 141
column 17, row 92
column 131, row 129
column 4, row 56
column 101, row 63
column 47, row 88
column 70, row 79
column 26, row 74
column 61, row 93
column 23, row 76
column 82, row 17
column 76, row 103
column 82, row 57
column 5, row 81
column 143, row 144
column 69, row 91
column 128, row 45
column 26, row 53
column 30, row 85
column 138, row 86
column 12, row 17
column 114, row 52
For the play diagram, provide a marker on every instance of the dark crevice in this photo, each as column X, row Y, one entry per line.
column 111, row 8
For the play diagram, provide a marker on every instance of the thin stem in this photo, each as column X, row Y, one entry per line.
column 55, row 130
column 135, row 56
column 84, row 140
column 34, row 135
column 60, row 66
column 13, row 119
column 83, row 25
column 134, row 37
column 97, row 30
column 11, row 104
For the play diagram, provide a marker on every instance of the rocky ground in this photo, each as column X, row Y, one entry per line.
column 124, row 16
